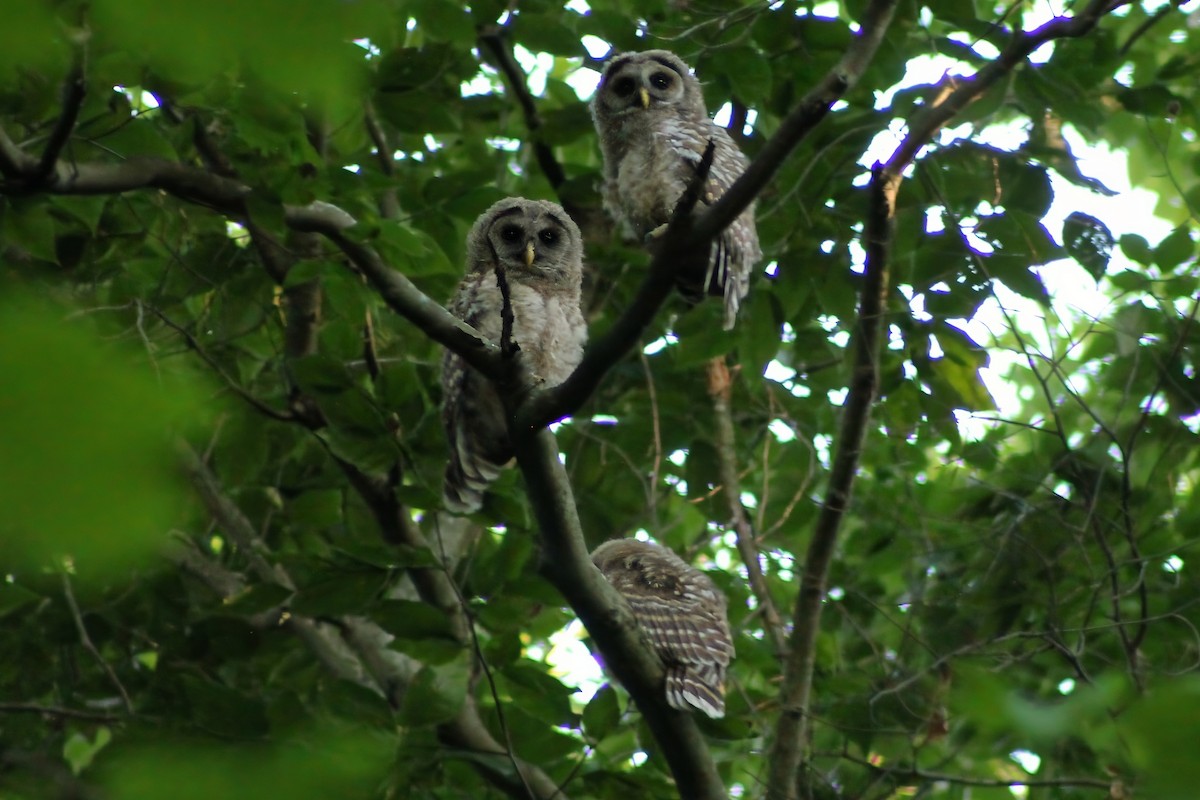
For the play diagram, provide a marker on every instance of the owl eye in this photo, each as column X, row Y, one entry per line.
column 548, row 236
column 660, row 80
column 624, row 87
column 510, row 233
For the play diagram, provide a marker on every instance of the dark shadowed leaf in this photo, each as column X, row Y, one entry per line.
column 1088, row 241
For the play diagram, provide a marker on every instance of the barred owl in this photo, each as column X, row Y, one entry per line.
column 683, row 614
column 541, row 253
column 653, row 126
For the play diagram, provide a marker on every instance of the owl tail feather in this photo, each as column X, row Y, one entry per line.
column 719, row 280
column 465, row 483
column 693, row 687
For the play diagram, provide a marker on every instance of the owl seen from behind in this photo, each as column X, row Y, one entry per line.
column 682, row 613
column 653, row 125
column 540, row 250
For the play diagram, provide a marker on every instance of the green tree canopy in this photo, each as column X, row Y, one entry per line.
column 226, row 232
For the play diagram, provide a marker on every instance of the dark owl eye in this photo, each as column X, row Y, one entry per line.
column 548, row 236
column 510, row 233
column 660, row 80
column 624, row 87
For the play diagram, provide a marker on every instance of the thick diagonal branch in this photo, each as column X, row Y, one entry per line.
column 567, row 565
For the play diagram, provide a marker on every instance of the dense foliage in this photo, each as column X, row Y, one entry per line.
column 225, row 569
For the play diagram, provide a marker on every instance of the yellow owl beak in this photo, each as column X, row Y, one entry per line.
column 529, row 254
column 645, row 97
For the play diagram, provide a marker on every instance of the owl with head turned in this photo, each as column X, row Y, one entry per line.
column 540, row 251
column 682, row 613
column 654, row 127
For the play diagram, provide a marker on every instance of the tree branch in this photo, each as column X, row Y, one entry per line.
column 88, row 645
column 403, row 297
column 53, row 711
column 74, row 91
column 676, row 249
column 909, row 774
column 686, row 240
column 791, row 728
column 466, row 730
column 496, row 45
column 719, row 391
column 797, row 125
column 567, row 564
column 929, row 121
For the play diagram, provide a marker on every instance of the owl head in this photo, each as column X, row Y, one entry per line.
column 653, row 81
column 531, row 239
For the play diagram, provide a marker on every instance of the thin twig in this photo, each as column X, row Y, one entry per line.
column 911, row 773
column 496, row 45
column 54, row 711
column 194, row 346
column 656, row 431
column 88, row 645
column 719, row 392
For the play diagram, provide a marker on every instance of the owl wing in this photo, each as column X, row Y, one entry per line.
column 736, row 250
column 470, row 410
column 693, row 643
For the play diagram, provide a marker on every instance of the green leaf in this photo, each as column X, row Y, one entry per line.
column 312, row 765
column 1149, row 101
column 79, row 751
column 340, row 593
column 602, row 714
column 359, row 705
column 436, row 694
column 320, row 374
column 13, row 597
column 1089, row 242
column 258, row 598
column 87, row 466
column 545, row 33
column 224, row 711
column 1137, row 248
column 442, row 20
column 1175, row 249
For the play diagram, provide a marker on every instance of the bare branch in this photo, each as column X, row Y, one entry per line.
column 791, row 728
column 240, row 391
column 797, row 125
column 73, row 93
column 389, row 205
column 88, row 645
column 411, row 303
column 924, row 125
column 508, row 348
column 719, row 391
column 54, row 711
column 500, row 52
column 909, row 774
column 466, row 730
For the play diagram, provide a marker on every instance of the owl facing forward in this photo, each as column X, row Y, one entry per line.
column 541, row 253
column 653, row 125
column 682, row 613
